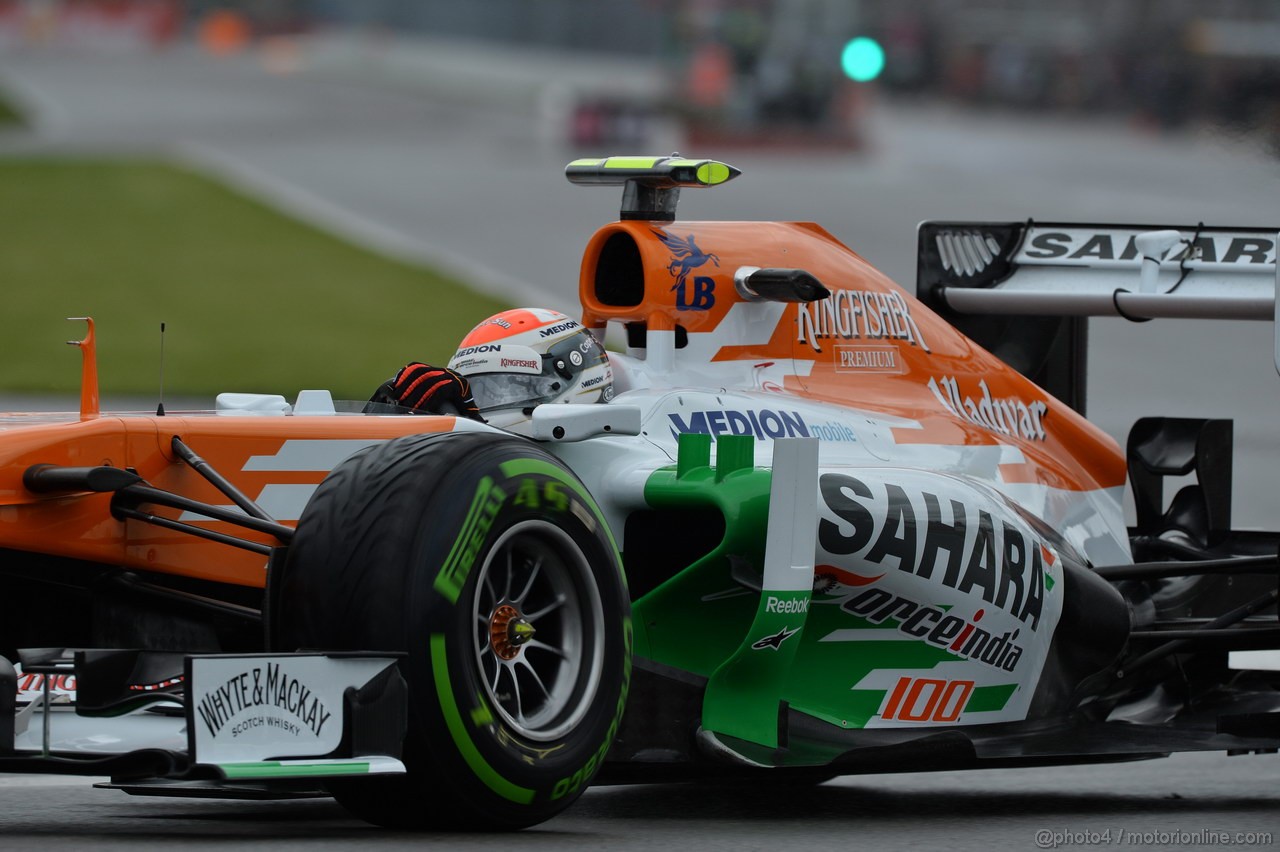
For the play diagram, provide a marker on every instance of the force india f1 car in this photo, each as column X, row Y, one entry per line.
column 822, row 528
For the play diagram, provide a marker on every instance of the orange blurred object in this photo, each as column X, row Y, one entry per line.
column 224, row 32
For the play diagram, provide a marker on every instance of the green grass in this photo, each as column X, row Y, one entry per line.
column 253, row 301
column 9, row 114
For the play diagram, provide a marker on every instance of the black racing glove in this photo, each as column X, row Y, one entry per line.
column 429, row 390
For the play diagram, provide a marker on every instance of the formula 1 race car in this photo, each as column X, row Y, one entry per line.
column 822, row 527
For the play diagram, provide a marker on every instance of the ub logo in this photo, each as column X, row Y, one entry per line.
column 686, row 257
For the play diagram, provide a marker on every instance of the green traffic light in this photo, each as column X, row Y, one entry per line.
column 862, row 59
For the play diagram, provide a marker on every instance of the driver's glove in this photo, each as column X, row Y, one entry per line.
column 429, row 390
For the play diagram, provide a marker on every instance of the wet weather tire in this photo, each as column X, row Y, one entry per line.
column 487, row 562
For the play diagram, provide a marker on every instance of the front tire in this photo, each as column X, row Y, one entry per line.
column 487, row 562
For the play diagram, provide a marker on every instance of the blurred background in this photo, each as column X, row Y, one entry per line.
column 758, row 71
column 311, row 192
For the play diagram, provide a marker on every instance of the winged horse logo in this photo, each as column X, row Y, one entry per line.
column 685, row 256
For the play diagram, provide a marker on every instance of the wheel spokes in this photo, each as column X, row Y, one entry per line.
column 534, row 674
column 533, row 575
column 551, row 607
column 543, row 646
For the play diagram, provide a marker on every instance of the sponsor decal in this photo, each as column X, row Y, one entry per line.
column 975, row 552
column 764, row 423
column 476, row 350
column 686, row 256
column 269, row 688
column 485, row 504
column 1104, row 245
column 558, row 329
column 919, row 699
column 785, row 605
column 575, row 358
column 1006, row 415
column 939, row 628
column 520, row 362
column 869, row 359
column 858, row 315
column 590, row 383
column 608, row 393
column 62, row 687
column 775, row 641
column 498, row 321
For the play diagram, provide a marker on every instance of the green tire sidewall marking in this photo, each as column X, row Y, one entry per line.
column 450, row 586
column 475, row 528
column 516, row 467
column 467, row 748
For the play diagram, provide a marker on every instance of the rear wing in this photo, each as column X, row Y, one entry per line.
column 1024, row 290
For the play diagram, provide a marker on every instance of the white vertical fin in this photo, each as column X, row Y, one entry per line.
column 793, row 513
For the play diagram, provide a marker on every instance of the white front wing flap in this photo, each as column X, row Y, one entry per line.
column 270, row 707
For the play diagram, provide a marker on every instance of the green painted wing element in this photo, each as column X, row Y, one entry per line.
column 743, row 697
column 250, row 770
column 698, row 618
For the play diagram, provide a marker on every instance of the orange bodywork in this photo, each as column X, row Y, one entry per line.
column 80, row 526
column 868, row 319
column 870, row 346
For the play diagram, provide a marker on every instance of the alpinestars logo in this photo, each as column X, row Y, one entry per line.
column 775, row 641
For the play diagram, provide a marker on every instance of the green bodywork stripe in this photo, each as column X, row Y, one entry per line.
column 272, row 769
column 515, row 467
column 467, row 748
column 988, row 698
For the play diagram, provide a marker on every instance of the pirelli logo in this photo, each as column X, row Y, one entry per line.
column 462, row 556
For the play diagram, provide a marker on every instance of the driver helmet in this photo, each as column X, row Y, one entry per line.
column 526, row 357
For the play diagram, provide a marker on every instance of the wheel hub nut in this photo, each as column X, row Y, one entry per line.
column 508, row 630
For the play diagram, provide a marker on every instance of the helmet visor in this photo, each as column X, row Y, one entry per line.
column 494, row 391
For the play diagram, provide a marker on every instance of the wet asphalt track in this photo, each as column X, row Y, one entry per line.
column 468, row 186
column 955, row 810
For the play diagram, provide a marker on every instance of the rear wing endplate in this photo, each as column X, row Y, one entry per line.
column 975, row 273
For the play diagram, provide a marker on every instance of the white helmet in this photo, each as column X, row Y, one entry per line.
column 525, row 357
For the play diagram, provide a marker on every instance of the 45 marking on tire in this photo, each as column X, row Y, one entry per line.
column 532, row 494
column 462, row 556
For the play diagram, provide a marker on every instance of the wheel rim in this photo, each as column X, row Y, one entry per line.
column 538, row 627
